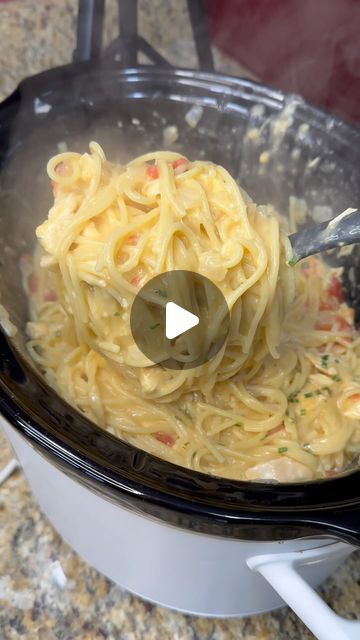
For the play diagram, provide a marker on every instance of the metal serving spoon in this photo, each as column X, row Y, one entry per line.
column 338, row 232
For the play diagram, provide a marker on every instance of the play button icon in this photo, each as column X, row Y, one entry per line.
column 179, row 319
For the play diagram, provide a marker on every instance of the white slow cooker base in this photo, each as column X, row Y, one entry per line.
column 193, row 573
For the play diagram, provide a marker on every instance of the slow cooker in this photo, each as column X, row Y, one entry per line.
column 189, row 541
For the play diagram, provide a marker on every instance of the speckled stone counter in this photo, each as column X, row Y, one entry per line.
column 47, row 592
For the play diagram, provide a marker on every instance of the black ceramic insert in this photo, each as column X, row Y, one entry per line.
column 126, row 111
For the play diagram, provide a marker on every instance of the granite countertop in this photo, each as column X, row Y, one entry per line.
column 47, row 592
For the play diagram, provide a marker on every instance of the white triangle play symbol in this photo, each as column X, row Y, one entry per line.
column 178, row 320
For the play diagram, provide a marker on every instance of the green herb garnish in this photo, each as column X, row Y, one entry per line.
column 263, row 438
column 161, row 293
column 292, row 262
column 117, row 313
column 324, row 360
column 178, row 418
column 303, row 412
column 193, row 455
column 309, row 394
column 293, row 397
column 238, row 424
column 282, row 449
column 336, row 378
column 319, row 392
column 154, row 326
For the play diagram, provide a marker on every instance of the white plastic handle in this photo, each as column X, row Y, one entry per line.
column 280, row 571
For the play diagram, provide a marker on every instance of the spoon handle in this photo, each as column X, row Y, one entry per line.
column 338, row 232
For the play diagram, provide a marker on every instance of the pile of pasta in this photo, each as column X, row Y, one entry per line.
column 280, row 401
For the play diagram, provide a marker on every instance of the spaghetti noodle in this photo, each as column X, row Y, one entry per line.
column 279, row 401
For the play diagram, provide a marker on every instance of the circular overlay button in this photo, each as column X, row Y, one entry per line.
column 179, row 319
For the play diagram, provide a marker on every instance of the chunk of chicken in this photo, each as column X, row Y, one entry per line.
column 280, row 469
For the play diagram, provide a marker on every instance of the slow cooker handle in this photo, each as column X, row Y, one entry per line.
column 280, row 570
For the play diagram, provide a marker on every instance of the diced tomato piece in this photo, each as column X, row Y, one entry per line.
column 136, row 281
column 355, row 397
column 343, row 325
column 166, row 438
column 134, row 239
column 181, row 164
column 335, row 289
column 330, row 473
column 322, row 325
column 179, row 161
column 331, row 304
column 33, row 282
column 152, row 171
column 60, row 169
column 49, row 296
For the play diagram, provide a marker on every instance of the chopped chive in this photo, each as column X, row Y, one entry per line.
column 293, row 397
column 161, row 293
column 324, row 360
column 193, row 455
column 238, row 424
column 303, row 412
column 319, row 392
column 309, row 394
column 282, row 449
column 178, row 418
column 263, row 438
column 336, row 378
column 154, row 326
column 117, row 313
column 292, row 262
column 337, row 361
